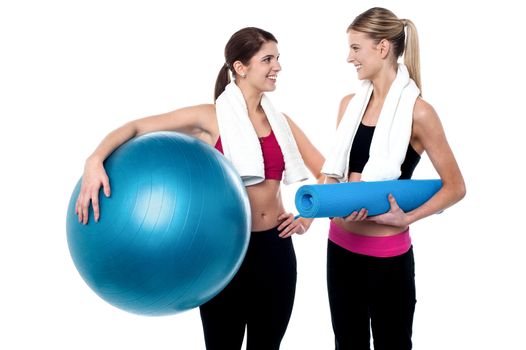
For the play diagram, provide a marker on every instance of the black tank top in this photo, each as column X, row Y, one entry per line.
column 360, row 153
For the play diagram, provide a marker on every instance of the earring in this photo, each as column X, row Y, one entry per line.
column 243, row 75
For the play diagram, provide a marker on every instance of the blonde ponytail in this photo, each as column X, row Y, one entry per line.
column 412, row 53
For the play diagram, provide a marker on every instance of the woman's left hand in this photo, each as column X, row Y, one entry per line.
column 290, row 226
column 394, row 217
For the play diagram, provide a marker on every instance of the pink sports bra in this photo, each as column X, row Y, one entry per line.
column 272, row 156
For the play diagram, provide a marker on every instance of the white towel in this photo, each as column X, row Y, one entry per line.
column 240, row 142
column 391, row 136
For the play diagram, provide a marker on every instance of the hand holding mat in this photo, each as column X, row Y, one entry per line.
column 341, row 199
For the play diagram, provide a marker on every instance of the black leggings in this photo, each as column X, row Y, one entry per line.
column 371, row 293
column 260, row 297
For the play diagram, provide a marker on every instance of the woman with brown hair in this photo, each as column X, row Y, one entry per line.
column 265, row 147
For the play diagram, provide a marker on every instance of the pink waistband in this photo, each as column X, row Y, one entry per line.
column 377, row 246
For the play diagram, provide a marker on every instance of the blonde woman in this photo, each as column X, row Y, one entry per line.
column 382, row 131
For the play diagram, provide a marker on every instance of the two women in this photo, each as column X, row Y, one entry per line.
column 382, row 131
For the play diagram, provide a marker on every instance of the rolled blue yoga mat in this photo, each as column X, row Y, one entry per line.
column 338, row 200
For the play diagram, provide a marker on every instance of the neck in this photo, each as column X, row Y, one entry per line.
column 382, row 82
column 252, row 97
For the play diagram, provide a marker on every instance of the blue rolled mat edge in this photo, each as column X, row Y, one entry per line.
column 341, row 199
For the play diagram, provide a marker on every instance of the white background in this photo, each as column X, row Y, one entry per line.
column 71, row 71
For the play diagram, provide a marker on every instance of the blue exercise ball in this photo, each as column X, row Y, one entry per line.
column 174, row 231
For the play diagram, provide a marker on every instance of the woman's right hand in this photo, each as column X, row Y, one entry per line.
column 93, row 178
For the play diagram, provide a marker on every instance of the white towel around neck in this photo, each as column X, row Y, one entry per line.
column 391, row 136
column 241, row 144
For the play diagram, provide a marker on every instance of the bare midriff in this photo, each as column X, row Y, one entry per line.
column 266, row 204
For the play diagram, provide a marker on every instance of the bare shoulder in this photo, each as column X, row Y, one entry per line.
column 208, row 119
column 209, row 108
column 423, row 112
column 199, row 121
column 203, row 114
column 427, row 127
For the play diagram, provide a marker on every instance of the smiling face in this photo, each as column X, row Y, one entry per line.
column 365, row 54
column 263, row 68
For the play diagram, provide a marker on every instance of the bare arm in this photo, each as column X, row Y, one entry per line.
column 314, row 161
column 198, row 121
column 428, row 132
column 193, row 120
column 311, row 156
column 428, row 135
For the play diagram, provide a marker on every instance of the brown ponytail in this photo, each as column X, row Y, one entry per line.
column 223, row 78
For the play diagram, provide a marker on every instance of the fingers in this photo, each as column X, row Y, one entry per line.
column 362, row 215
column 81, row 208
column 290, row 225
column 288, row 219
column 295, row 227
column 86, row 197
column 394, row 217
column 284, row 216
column 106, row 186
column 77, row 210
column 357, row 215
column 84, row 212
column 392, row 202
column 95, row 205
column 93, row 179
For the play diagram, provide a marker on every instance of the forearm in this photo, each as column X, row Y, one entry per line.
column 443, row 199
column 112, row 141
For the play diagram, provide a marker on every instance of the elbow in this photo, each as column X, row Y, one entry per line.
column 455, row 189
column 460, row 190
column 133, row 129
